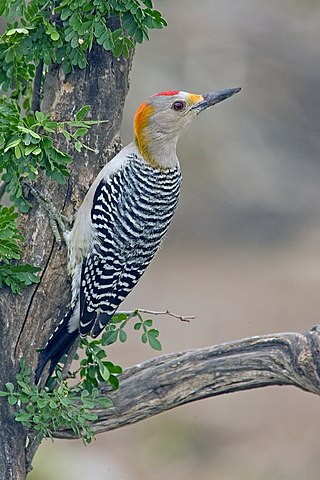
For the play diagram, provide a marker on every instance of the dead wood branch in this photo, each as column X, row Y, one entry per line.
column 168, row 381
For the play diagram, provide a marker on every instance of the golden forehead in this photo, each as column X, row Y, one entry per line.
column 194, row 98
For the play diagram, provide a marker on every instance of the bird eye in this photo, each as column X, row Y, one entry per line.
column 178, row 106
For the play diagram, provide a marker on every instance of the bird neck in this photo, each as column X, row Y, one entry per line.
column 156, row 148
column 157, row 152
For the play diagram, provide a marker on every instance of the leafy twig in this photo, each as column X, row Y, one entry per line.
column 44, row 411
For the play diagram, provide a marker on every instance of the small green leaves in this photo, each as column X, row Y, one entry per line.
column 46, row 411
column 10, row 393
column 102, row 33
column 60, row 405
column 25, row 147
column 32, row 35
column 18, row 277
column 12, row 31
column 95, row 368
column 51, row 31
column 115, row 330
column 9, row 235
column 15, row 277
column 149, row 335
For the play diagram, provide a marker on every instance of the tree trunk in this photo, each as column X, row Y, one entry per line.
column 27, row 320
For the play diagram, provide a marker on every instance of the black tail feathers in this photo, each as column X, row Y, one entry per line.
column 58, row 344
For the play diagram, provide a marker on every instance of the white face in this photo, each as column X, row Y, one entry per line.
column 172, row 114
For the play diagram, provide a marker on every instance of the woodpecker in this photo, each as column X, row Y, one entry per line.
column 124, row 216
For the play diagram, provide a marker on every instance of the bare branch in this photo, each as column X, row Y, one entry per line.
column 2, row 189
column 37, row 87
column 183, row 318
column 171, row 380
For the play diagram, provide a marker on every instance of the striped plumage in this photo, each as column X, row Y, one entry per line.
column 124, row 217
column 131, row 213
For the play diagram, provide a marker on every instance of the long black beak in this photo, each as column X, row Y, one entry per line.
column 212, row 98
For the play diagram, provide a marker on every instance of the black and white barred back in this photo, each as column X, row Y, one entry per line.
column 131, row 214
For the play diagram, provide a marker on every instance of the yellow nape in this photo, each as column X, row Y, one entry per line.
column 140, row 123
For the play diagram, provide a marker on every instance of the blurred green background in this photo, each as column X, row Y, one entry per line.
column 243, row 253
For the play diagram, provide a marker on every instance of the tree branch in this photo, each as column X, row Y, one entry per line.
column 176, row 379
column 2, row 189
column 37, row 86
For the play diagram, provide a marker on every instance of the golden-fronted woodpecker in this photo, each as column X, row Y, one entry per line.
column 124, row 217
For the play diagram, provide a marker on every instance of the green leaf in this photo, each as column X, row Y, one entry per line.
column 148, row 3
column 90, row 416
column 22, row 417
column 114, row 382
column 153, row 332
column 17, row 152
column 29, row 149
column 138, row 35
column 154, row 343
column 12, row 144
column 23, row 31
column 80, row 132
column 40, row 116
column 66, row 134
column 55, row 36
column 85, row 394
column 101, row 354
column 42, row 402
column 119, row 317
column 110, row 337
column 104, row 402
column 30, row 132
column 122, row 336
column 118, row 48
column 78, row 146
column 2, row 6
column 144, row 338
column 12, row 399
column 82, row 113
column 104, row 372
column 115, row 369
column 9, row 387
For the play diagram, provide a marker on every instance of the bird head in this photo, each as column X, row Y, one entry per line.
column 160, row 120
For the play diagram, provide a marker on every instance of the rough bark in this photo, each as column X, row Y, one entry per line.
column 172, row 380
column 27, row 320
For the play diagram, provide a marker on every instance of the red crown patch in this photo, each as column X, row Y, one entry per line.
column 166, row 94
